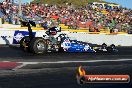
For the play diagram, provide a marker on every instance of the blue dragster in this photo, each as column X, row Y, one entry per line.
column 75, row 46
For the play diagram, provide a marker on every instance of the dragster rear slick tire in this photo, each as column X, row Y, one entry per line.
column 38, row 45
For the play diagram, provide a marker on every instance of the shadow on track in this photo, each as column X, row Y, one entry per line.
column 16, row 53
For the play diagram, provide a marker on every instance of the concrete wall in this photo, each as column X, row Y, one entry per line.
column 120, row 39
column 9, row 36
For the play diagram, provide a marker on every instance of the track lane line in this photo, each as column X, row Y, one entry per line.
column 83, row 61
column 22, row 64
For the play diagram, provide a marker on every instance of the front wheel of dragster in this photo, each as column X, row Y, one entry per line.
column 104, row 46
column 38, row 45
column 112, row 48
column 24, row 43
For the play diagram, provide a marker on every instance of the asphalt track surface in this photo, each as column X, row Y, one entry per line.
column 59, row 70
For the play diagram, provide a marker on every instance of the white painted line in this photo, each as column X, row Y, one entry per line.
column 18, row 67
column 6, row 61
column 64, row 62
column 25, row 63
column 83, row 61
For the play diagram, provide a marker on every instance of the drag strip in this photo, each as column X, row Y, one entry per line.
column 58, row 70
column 56, row 60
column 53, row 60
column 15, row 54
column 58, row 64
column 63, row 77
column 72, row 61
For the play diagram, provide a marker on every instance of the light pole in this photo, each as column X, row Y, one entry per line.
column 20, row 10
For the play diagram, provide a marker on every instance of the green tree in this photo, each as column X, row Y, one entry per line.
column 76, row 3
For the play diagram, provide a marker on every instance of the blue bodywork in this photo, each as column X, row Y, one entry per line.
column 18, row 35
column 76, row 46
column 79, row 48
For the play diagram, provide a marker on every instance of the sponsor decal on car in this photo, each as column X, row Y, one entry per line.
column 66, row 43
column 18, row 35
column 87, row 47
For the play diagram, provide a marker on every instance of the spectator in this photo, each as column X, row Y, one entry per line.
column 97, row 16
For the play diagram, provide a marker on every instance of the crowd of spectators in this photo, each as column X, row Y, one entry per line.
column 94, row 19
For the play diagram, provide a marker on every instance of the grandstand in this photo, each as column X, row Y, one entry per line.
column 91, row 15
